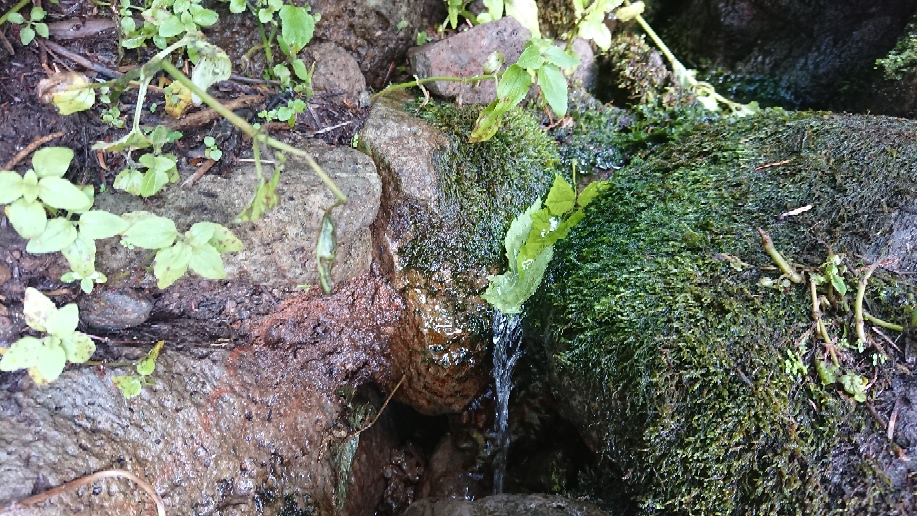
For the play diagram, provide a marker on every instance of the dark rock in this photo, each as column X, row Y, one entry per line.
column 451, row 472
column 506, row 505
column 109, row 309
column 337, row 74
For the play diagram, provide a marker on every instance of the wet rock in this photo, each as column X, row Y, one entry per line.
column 118, row 309
column 436, row 239
column 506, row 505
column 12, row 323
column 5, row 274
column 451, row 472
column 402, row 473
column 337, row 74
column 280, row 247
column 237, row 432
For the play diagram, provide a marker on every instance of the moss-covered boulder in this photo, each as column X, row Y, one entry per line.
column 686, row 361
column 445, row 207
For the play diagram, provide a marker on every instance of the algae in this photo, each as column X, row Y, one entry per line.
column 668, row 352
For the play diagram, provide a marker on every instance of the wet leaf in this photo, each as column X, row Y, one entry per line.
column 171, row 264
column 553, row 85
column 146, row 366
column 129, row 385
column 296, row 26
column 58, row 234
column 21, row 355
column 561, row 196
column 50, row 361
column 28, row 218
column 52, row 161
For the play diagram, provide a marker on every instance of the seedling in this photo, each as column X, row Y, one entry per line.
column 33, row 25
column 131, row 385
column 213, row 152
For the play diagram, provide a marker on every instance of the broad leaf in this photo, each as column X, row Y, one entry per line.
column 296, row 26
column 130, row 180
column 223, row 240
column 560, row 58
column 99, row 225
column 58, row 234
column 37, row 309
column 151, row 232
column 62, row 323
column 594, row 28
column 531, row 57
column 78, row 347
column 590, row 192
column 171, row 264
column 60, row 193
column 26, row 35
column 553, row 85
column 27, row 218
column 50, row 361
column 129, row 385
column 206, row 262
column 200, row 233
column 21, row 355
column 517, row 233
column 561, row 197
column 153, row 181
column 514, row 85
column 171, row 27
column 10, row 187
column 81, row 255
column 508, row 292
column 52, row 161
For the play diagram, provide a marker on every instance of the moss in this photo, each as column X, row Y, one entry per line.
column 903, row 58
column 671, row 359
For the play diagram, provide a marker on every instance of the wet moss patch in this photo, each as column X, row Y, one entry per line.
column 669, row 352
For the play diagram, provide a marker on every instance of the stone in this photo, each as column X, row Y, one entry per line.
column 337, row 74
column 506, row 505
column 279, row 249
column 114, row 309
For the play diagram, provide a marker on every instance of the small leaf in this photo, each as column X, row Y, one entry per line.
column 223, row 240
column 171, row 264
column 52, row 161
column 129, row 385
column 494, row 62
column 629, row 12
column 26, row 35
column 37, row 14
column 50, row 361
column 214, row 66
column 146, row 366
column 58, row 234
column 513, row 86
column 151, row 232
column 299, row 69
column 561, row 197
column 62, row 323
column 21, row 355
column 200, row 233
column 37, row 309
column 135, row 139
column 15, row 18
column 296, row 26
column 553, row 85
column 530, row 57
column 589, row 193
column 78, row 347
column 489, row 122
column 60, row 193
column 558, row 57
column 27, row 218
column 81, row 255
column 153, row 181
column 42, row 29
column 206, row 262
column 202, row 16
column 236, row 6
column 99, row 225
column 171, row 27
column 129, row 180
column 11, row 187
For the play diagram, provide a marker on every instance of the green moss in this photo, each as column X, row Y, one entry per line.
column 671, row 359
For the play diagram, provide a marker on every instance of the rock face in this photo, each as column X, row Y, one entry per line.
column 336, row 73
column 669, row 350
column 506, row 505
column 445, row 205
column 252, row 430
column 279, row 248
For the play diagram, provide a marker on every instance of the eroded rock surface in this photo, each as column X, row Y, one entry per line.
column 506, row 505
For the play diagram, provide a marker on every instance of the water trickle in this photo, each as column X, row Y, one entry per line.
column 507, row 340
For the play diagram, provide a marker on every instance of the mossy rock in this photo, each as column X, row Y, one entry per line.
column 668, row 352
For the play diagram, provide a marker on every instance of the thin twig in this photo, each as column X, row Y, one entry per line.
column 201, row 170
column 205, row 116
column 80, row 60
column 21, row 155
column 73, row 484
column 884, row 336
column 774, row 164
column 376, row 418
column 892, row 420
column 778, row 258
column 876, row 416
column 858, row 303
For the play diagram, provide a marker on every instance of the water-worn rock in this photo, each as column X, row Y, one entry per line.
column 445, row 205
column 252, row 431
column 280, row 247
column 694, row 380
column 336, row 73
column 115, row 309
column 506, row 505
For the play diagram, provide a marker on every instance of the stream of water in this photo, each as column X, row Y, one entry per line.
column 507, row 340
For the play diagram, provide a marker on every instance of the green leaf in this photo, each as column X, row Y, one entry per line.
column 561, row 197
column 214, row 66
column 526, row 13
column 265, row 198
column 42, row 29
column 129, row 385
column 171, row 27
column 99, row 225
column 26, row 35
column 855, row 385
column 296, row 26
column 21, row 355
column 37, row 14
column 553, row 85
column 153, row 181
column 135, row 139
column 60, row 193
column 150, row 232
column 171, row 264
column 558, row 57
column 52, row 161
column 15, row 18
column 78, row 347
column 593, row 27
column 488, row 122
column 508, row 292
column 62, row 323
column 200, row 233
column 146, row 366
column 203, row 17
column 629, row 12
column 265, row 15
column 29, row 186
column 27, row 218
column 129, row 180
column 589, row 193
column 223, row 240
column 86, row 285
column 299, row 69
column 530, row 57
column 37, row 309
column 58, row 234
column 236, row 6
column 513, row 86
column 81, row 255
column 11, row 187
column 517, row 234
column 50, row 361
column 206, row 262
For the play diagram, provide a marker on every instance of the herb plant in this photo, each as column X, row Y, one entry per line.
column 32, row 26
column 131, row 385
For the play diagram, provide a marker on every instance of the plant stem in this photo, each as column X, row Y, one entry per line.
column 858, row 303
column 14, row 9
column 418, row 82
column 884, row 324
column 778, row 258
column 248, row 129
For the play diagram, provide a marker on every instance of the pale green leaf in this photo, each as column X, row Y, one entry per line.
column 60, row 193
column 153, row 181
column 86, row 285
column 513, row 86
column 52, row 161
column 74, row 99
column 26, row 35
column 16, row 18
column 560, row 58
column 236, row 6
column 50, row 361
column 98, row 224
column 629, row 12
column 296, row 26
column 206, row 262
column 214, row 66
column 561, row 196
column 171, row 27
column 62, row 323
column 58, row 234
column 202, row 16
column 200, row 233
column 526, row 13
column 37, row 14
column 508, row 292
column 81, row 255
column 78, row 347
column 530, row 57
column 517, row 233
column 11, row 187
column 21, row 355
column 151, row 232
column 129, row 180
column 146, row 366
column 37, row 309
column 29, row 186
column 129, row 385
column 553, row 85
column 223, row 240
column 494, row 10
column 493, row 63
column 28, row 218
column 132, row 140
column 299, row 69
column 42, row 29
column 593, row 27
column 171, row 264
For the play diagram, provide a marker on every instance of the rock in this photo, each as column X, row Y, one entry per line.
column 279, row 248
column 450, row 472
column 114, row 309
column 672, row 356
column 248, row 431
column 464, row 55
column 337, row 74
column 445, row 205
column 506, row 505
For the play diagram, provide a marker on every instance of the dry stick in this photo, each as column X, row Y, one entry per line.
column 778, row 258
column 21, row 155
column 884, row 336
column 373, row 422
column 110, row 473
column 892, row 420
column 201, row 170
column 209, row 115
column 80, row 60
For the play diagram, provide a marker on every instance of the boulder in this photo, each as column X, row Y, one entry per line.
column 688, row 363
column 505, row 505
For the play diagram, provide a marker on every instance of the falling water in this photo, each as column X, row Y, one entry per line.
column 507, row 332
